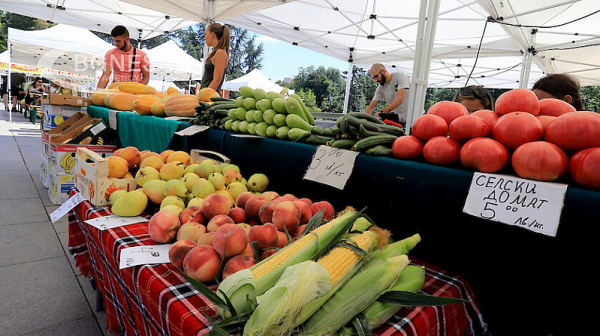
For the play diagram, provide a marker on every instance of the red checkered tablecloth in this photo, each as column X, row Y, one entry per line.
column 156, row 300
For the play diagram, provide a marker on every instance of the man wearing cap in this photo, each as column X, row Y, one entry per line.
column 128, row 63
column 392, row 88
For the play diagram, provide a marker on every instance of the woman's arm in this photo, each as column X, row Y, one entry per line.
column 219, row 60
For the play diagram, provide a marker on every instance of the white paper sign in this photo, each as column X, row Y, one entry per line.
column 67, row 206
column 143, row 255
column 530, row 204
column 191, row 130
column 112, row 119
column 331, row 166
column 247, row 136
column 113, row 221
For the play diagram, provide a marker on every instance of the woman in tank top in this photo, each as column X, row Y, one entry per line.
column 217, row 37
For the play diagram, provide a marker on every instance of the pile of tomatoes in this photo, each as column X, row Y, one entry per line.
column 543, row 140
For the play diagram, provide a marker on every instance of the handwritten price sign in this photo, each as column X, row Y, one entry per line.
column 331, row 166
column 112, row 221
column 143, row 255
column 532, row 205
column 67, row 206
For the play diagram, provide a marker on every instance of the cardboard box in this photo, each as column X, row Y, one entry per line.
column 59, row 189
column 56, row 114
column 200, row 154
column 66, row 100
column 72, row 122
column 92, row 180
column 45, row 165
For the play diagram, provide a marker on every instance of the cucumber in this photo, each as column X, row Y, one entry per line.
column 372, row 141
column 294, row 133
column 215, row 99
column 331, row 131
column 303, row 137
column 318, row 139
column 379, row 150
column 221, row 113
column 365, row 133
column 369, row 117
column 295, row 121
column 343, row 143
column 222, row 106
column 343, row 124
column 388, row 129
column 317, row 130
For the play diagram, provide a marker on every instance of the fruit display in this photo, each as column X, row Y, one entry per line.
column 541, row 140
column 145, row 100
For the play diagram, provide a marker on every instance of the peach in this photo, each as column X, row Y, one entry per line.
column 180, row 156
column 329, row 211
column 246, row 227
column 282, row 239
column 178, row 251
column 290, row 197
column 146, row 154
column 298, row 231
column 206, row 239
column 264, row 235
column 253, row 222
column 217, row 221
column 230, row 240
column 153, row 161
column 286, row 216
column 191, row 231
column 163, row 226
column 270, row 195
column 202, row 263
column 237, row 263
column 306, row 200
column 267, row 253
column 117, row 166
column 215, row 204
column 243, row 198
column 192, row 213
column 305, row 213
column 165, row 154
column 131, row 154
column 253, row 206
column 265, row 214
column 237, row 214
column 249, row 251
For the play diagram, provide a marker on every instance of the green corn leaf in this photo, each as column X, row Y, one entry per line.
column 229, row 305
column 256, row 251
column 351, row 245
column 314, row 222
column 222, row 265
column 204, row 290
column 361, row 325
column 404, row 298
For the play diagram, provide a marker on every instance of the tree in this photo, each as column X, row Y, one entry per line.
column 18, row 22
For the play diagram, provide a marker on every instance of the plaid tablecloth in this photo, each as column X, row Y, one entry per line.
column 156, row 299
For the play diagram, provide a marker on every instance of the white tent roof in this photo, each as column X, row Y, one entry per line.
column 254, row 79
column 168, row 60
column 99, row 15
column 60, row 47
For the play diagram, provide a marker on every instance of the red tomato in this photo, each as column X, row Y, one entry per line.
column 545, row 120
column 489, row 116
column 518, row 100
column 540, row 160
column 555, row 107
column 584, row 167
column 468, row 127
column 575, row 131
column 407, row 147
column 449, row 110
column 441, row 151
column 516, row 128
column 484, row 154
column 428, row 126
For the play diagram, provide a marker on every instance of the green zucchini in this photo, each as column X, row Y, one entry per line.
column 343, row 143
column 303, row 137
column 222, row 106
column 388, row 129
column 372, row 141
column 295, row 121
column 379, row 150
column 294, row 133
column 317, row 130
column 318, row 139
column 369, row 117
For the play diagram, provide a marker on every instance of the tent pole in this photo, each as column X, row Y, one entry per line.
column 412, row 110
column 8, row 80
column 527, row 58
column 348, row 86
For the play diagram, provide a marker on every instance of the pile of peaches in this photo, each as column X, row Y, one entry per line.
column 215, row 239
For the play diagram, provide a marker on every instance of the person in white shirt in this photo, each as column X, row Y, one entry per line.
column 392, row 88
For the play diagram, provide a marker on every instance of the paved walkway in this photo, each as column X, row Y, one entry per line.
column 41, row 291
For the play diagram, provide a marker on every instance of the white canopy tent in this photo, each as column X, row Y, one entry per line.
column 254, row 79
column 171, row 62
column 99, row 15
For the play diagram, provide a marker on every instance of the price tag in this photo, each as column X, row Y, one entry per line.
column 530, row 204
column 112, row 119
column 98, row 128
column 113, row 221
column 331, row 166
column 191, row 130
column 143, row 255
column 67, row 206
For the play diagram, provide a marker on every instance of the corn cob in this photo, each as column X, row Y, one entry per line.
column 243, row 286
column 396, row 248
column 357, row 294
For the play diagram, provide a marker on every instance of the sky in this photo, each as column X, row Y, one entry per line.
column 282, row 59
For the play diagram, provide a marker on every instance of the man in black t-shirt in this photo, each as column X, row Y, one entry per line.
column 17, row 92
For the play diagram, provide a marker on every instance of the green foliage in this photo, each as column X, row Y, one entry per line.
column 18, row 22
column 591, row 98
column 309, row 97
